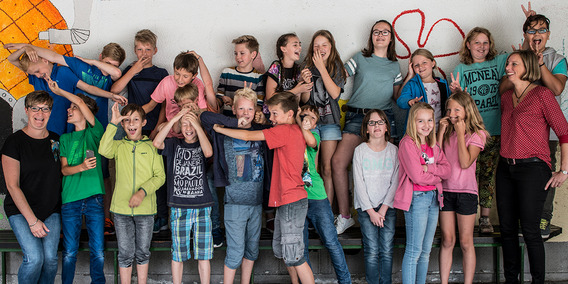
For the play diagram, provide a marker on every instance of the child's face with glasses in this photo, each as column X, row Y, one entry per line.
column 376, row 127
column 381, row 35
column 537, row 35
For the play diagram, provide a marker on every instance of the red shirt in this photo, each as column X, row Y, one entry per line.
column 289, row 146
column 525, row 128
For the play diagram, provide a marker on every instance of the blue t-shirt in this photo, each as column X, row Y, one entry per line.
column 246, row 171
column 67, row 81
column 141, row 87
column 92, row 76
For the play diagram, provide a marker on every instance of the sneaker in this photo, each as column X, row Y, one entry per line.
column 343, row 224
column 218, row 238
column 109, row 227
column 160, row 224
column 485, row 226
column 544, row 228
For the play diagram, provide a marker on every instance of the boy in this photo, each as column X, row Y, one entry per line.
column 186, row 66
column 241, row 167
column 139, row 173
column 287, row 191
column 234, row 78
column 319, row 209
column 189, row 198
column 25, row 58
column 140, row 79
column 83, row 186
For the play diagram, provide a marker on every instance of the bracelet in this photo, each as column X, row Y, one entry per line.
column 37, row 220
column 540, row 65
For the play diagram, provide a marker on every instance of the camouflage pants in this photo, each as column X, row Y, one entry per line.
column 487, row 169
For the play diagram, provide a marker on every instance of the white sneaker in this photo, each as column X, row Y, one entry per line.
column 343, row 224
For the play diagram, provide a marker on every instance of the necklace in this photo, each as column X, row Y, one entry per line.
column 522, row 94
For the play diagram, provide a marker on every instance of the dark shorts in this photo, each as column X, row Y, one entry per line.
column 461, row 203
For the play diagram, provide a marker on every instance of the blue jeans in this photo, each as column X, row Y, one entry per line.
column 72, row 219
column 321, row 216
column 215, row 215
column 378, row 244
column 421, row 220
column 242, row 225
column 39, row 263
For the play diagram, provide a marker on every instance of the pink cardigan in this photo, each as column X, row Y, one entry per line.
column 411, row 172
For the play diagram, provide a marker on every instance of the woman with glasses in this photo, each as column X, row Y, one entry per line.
column 32, row 170
column 524, row 172
column 377, row 78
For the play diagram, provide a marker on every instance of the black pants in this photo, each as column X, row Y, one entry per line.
column 520, row 197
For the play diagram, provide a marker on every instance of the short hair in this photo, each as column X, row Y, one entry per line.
column 313, row 109
column 186, row 61
column 538, row 18
column 250, row 41
column 286, row 100
column 38, row 97
column 465, row 53
column 114, row 51
column 245, row 93
column 188, row 91
column 146, row 36
column 25, row 62
column 129, row 108
column 90, row 102
column 365, row 124
column 530, row 60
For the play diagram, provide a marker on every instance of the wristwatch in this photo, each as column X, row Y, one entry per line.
column 564, row 172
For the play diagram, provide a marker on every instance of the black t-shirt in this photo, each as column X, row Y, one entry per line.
column 40, row 173
column 186, row 178
column 141, row 87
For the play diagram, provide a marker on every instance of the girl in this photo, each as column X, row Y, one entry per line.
column 377, row 78
column 421, row 85
column 462, row 135
column 479, row 57
column 375, row 174
column 328, row 75
column 423, row 165
column 524, row 172
column 284, row 74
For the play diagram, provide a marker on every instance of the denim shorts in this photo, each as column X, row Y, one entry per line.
column 133, row 236
column 287, row 241
column 242, row 226
column 329, row 132
column 461, row 203
column 353, row 122
column 184, row 222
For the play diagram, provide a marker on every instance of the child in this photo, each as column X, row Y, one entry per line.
column 27, row 60
column 423, row 165
column 479, row 56
column 328, row 75
column 375, row 175
column 421, row 85
column 462, row 136
column 83, row 186
column 287, row 191
column 376, row 81
column 243, row 168
column 140, row 78
column 284, row 74
column 319, row 209
column 139, row 173
column 234, row 78
column 189, row 197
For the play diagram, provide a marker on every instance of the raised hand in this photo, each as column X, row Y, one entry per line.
column 53, row 86
column 528, row 12
column 535, row 47
column 459, row 127
column 318, row 61
column 259, row 117
column 410, row 70
column 415, row 100
column 119, row 99
column 455, row 85
column 86, row 60
column 139, row 65
column 306, row 75
column 116, row 116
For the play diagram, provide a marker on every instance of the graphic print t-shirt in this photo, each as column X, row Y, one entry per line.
column 426, row 158
column 186, row 178
column 246, row 172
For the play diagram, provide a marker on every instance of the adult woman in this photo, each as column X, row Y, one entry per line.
column 30, row 160
column 524, row 172
column 377, row 78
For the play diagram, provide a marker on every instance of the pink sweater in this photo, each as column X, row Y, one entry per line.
column 411, row 172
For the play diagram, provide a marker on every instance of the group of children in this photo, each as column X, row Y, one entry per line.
column 267, row 152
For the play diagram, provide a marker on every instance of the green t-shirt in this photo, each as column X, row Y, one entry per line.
column 317, row 190
column 73, row 146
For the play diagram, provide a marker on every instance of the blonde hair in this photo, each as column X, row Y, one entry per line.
column 426, row 53
column 465, row 53
column 245, row 93
column 146, row 36
column 25, row 62
column 473, row 121
column 530, row 60
column 250, row 41
column 411, row 124
column 188, row 91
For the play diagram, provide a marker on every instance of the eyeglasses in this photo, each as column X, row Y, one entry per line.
column 540, row 31
column 375, row 122
column 384, row 33
column 43, row 109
